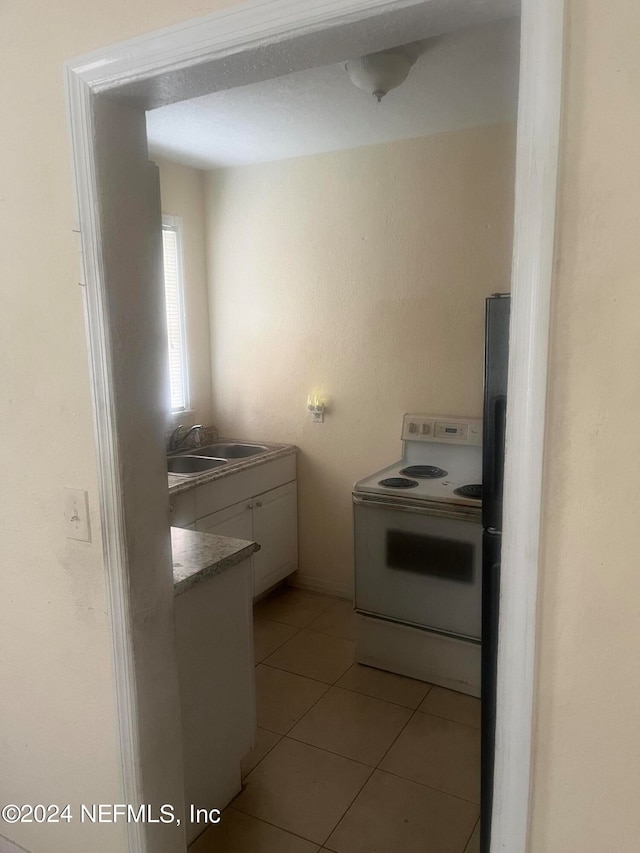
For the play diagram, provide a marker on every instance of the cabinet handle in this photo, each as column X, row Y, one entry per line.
column 258, row 503
column 249, row 506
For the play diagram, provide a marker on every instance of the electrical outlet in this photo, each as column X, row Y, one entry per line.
column 76, row 514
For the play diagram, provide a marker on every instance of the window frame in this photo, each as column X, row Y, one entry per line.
column 173, row 223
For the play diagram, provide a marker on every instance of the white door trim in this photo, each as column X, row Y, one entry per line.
column 242, row 28
column 539, row 113
column 114, row 538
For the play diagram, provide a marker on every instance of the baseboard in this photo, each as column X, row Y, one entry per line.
column 322, row 585
column 7, row 846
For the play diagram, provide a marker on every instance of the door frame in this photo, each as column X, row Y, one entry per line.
column 134, row 72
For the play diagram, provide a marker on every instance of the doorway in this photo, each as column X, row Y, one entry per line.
column 108, row 93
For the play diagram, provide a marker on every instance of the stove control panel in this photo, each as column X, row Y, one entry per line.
column 443, row 430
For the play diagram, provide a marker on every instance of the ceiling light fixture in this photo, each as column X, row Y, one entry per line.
column 380, row 72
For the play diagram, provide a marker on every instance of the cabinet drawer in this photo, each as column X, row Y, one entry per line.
column 243, row 485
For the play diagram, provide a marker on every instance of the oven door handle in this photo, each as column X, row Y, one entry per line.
column 460, row 512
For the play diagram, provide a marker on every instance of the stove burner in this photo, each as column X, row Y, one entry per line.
column 398, row 483
column 424, row 472
column 472, row 491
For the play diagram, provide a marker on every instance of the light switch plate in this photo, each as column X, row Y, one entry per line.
column 76, row 514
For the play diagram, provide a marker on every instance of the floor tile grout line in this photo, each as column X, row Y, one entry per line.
column 383, row 770
column 327, row 634
column 468, row 841
column 308, row 711
column 375, row 698
column 274, row 825
column 280, row 622
column 297, row 674
column 429, row 787
column 448, row 720
column 362, row 693
column 337, row 755
column 281, row 669
column 397, row 736
column 380, row 699
column 273, row 651
column 315, row 594
column 342, row 816
column 330, row 686
column 330, row 752
column 369, row 766
column 271, row 748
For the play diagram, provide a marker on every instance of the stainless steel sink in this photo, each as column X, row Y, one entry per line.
column 191, row 466
column 230, row 450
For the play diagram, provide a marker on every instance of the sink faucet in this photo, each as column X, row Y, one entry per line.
column 177, row 439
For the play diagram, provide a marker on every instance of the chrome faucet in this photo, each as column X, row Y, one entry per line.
column 176, row 439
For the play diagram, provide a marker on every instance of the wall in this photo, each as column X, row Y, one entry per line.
column 587, row 758
column 58, row 729
column 359, row 275
column 182, row 193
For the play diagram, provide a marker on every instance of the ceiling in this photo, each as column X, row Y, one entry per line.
column 462, row 79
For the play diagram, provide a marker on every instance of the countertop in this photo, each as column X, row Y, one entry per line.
column 200, row 556
column 179, row 484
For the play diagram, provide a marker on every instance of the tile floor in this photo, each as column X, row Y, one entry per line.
column 347, row 758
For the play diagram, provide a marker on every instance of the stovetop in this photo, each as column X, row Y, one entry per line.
column 432, row 469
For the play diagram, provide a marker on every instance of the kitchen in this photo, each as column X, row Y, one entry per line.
column 327, row 275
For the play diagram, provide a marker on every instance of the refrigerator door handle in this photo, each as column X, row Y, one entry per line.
column 494, row 460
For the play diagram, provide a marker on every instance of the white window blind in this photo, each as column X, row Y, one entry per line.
column 174, row 298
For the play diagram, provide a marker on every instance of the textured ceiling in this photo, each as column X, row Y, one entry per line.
column 462, row 79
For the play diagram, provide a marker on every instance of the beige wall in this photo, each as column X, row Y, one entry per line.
column 182, row 193
column 361, row 276
column 58, row 737
column 587, row 761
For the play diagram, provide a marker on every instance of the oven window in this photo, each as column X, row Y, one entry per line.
column 430, row 555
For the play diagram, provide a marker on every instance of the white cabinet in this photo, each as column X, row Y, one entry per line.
column 214, row 644
column 271, row 520
column 234, row 521
column 275, row 529
column 258, row 503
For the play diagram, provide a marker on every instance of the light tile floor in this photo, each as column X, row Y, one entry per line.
column 347, row 758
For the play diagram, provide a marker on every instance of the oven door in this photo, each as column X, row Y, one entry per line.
column 417, row 567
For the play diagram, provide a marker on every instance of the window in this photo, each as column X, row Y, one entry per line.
column 174, row 298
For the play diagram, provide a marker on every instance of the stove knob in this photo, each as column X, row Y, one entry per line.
column 413, row 427
column 426, row 429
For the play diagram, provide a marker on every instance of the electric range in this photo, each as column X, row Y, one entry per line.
column 418, row 555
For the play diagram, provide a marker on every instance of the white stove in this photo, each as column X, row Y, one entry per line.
column 418, row 555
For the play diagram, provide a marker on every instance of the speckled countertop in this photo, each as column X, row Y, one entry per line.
column 200, row 556
column 179, row 484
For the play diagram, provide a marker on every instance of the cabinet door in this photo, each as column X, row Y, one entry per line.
column 234, row 521
column 275, row 529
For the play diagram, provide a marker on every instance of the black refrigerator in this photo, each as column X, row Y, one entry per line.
column 496, row 356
